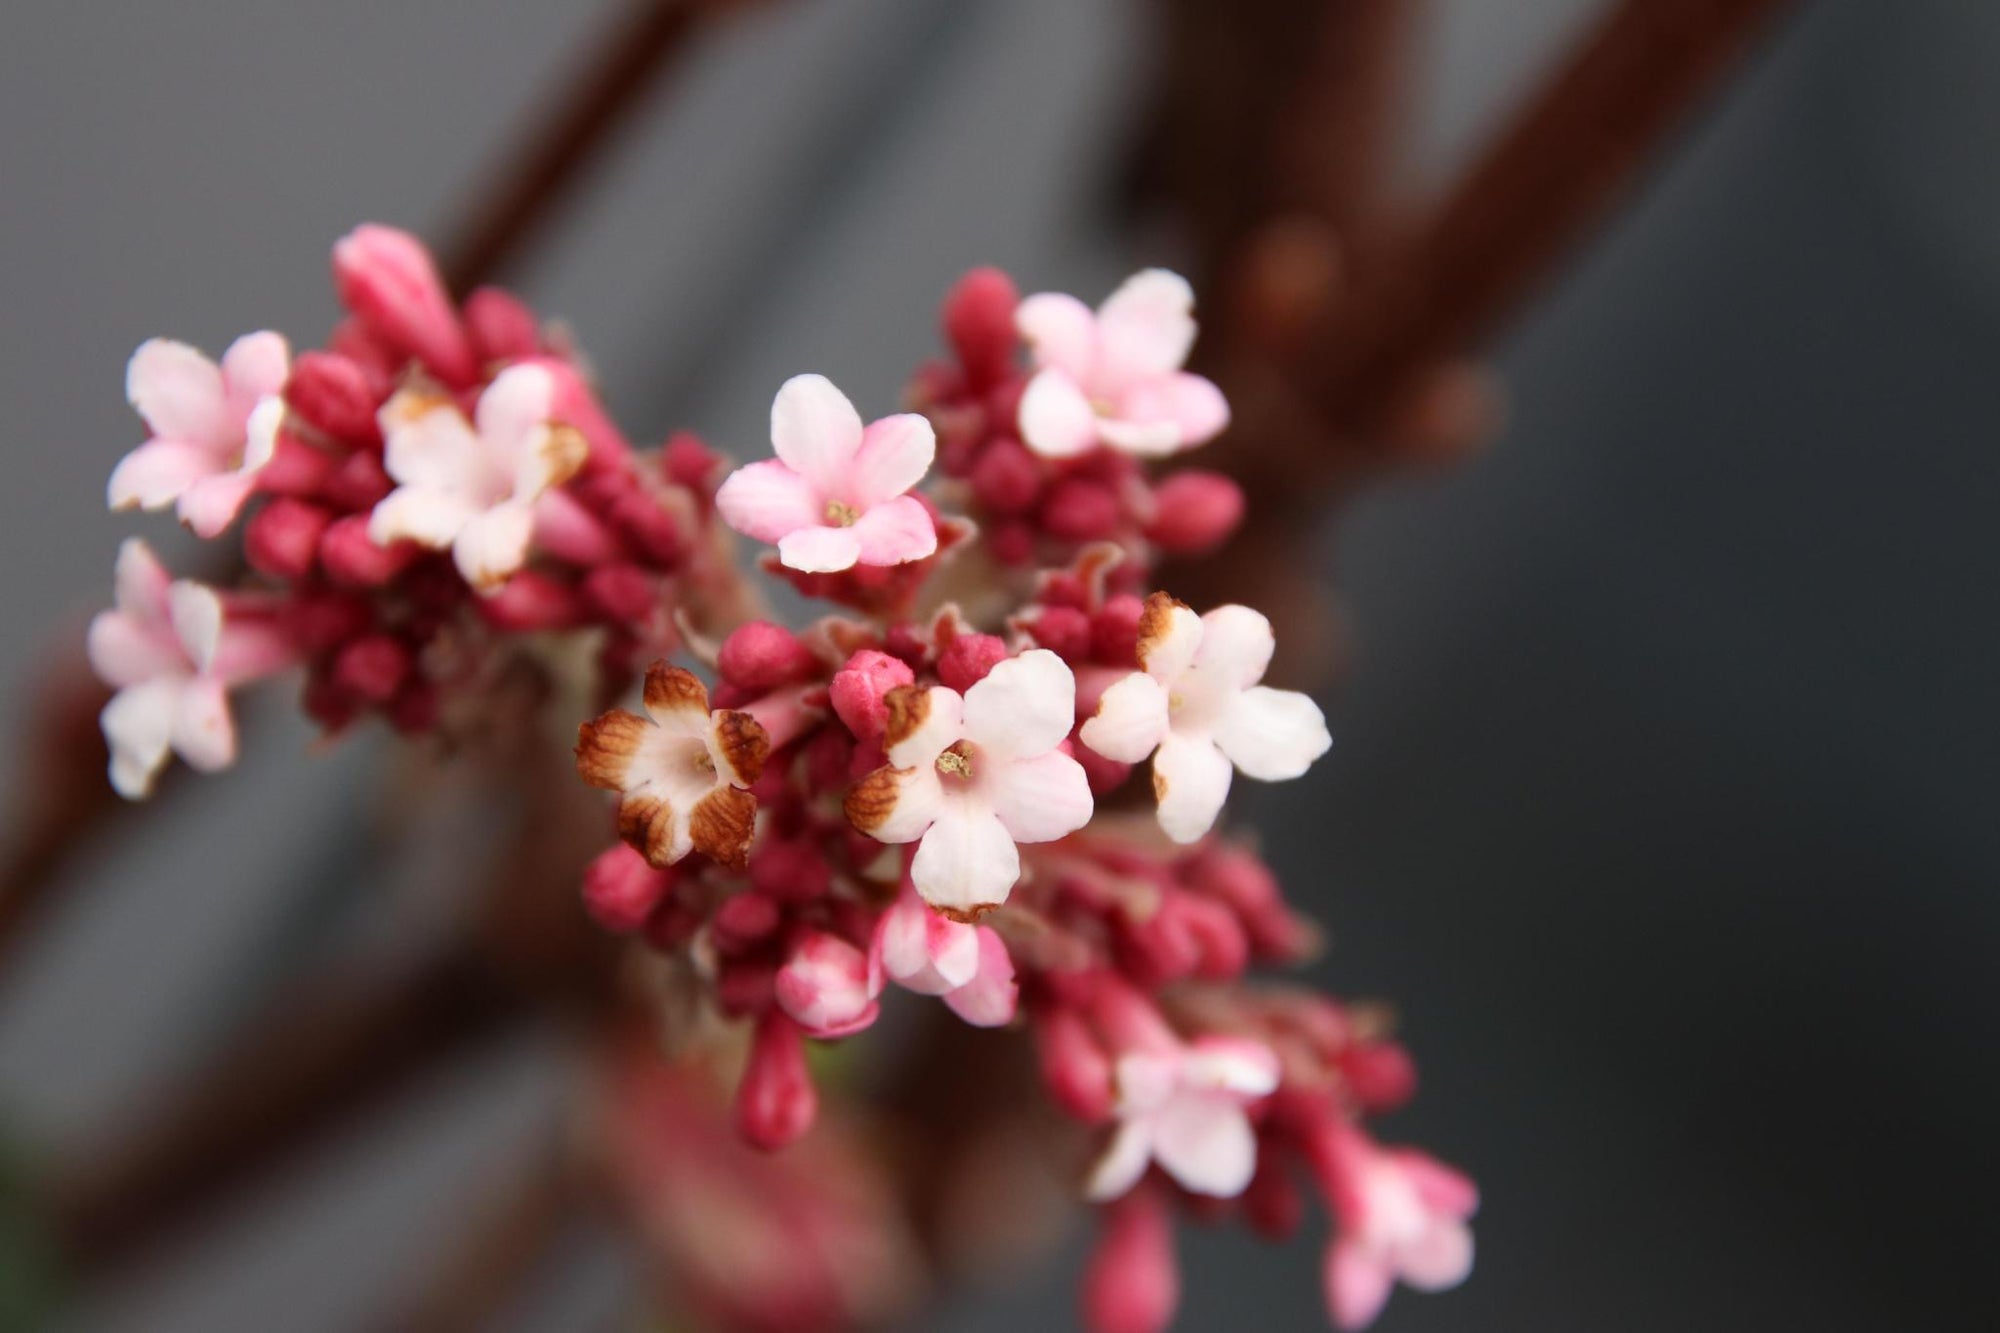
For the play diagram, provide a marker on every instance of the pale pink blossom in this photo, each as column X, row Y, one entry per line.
column 1197, row 708
column 835, row 496
column 1401, row 1214
column 470, row 487
column 971, row 775
column 829, row 986
column 173, row 650
column 214, row 428
column 923, row 950
column 682, row 771
column 1183, row 1107
column 1114, row 376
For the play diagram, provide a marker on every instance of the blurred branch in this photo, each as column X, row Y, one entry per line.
column 598, row 99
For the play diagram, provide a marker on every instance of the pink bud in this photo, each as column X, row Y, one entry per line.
column 620, row 890
column 743, row 923
column 359, row 483
column 337, row 395
column 775, row 1100
column 568, row 531
column 297, row 468
column 1114, row 630
column 649, row 526
column 1195, row 512
column 979, row 321
column 351, row 557
column 386, row 277
column 1380, row 1074
column 623, row 593
column 1222, row 949
column 1007, row 479
column 1081, row 511
column 790, row 870
column 828, row 987
column 1273, row 1203
column 1132, row 1283
column 743, row 985
column 501, row 325
column 321, row 620
column 1012, row 542
column 761, row 656
column 686, row 461
column 1074, row 1066
column 530, row 601
column 372, row 668
column 282, row 538
column 1064, row 631
column 860, row 687
column 672, row 924
column 968, row 659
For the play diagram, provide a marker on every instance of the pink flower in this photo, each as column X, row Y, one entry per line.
column 1115, row 377
column 924, row 951
column 829, row 987
column 1182, row 1106
column 1198, row 709
column 214, row 427
column 971, row 775
column 471, row 487
column 835, row 495
column 682, row 772
column 172, row 651
column 1403, row 1215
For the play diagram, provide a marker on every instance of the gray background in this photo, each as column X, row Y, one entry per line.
column 1662, row 802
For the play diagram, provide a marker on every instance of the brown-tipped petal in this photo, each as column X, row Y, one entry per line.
column 1168, row 633
column 647, row 824
column 909, row 706
column 673, row 691
column 605, row 748
column 740, row 746
column 722, row 824
column 872, row 800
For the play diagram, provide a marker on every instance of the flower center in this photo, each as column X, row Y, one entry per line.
column 956, row 762
column 841, row 515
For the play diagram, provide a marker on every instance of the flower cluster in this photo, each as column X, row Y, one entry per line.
column 932, row 788
column 417, row 501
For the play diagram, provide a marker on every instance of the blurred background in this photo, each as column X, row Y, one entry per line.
column 1661, row 804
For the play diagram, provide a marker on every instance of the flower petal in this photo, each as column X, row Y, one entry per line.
column 155, row 474
column 921, row 724
column 1024, row 706
column 425, row 515
column 1272, row 735
column 180, row 393
column 260, row 433
column 926, row 952
column 769, row 501
column 1056, row 418
column 430, row 446
column 991, row 997
column 1191, row 781
column 141, row 583
column 1170, row 635
column 1143, row 439
column 966, row 861
column 1145, row 328
column 1131, row 719
column 138, row 725
column 1205, row 1143
column 493, row 546
column 210, row 504
column 1236, row 644
column 1124, row 1161
column 895, row 454
column 819, row 550
column 519, row 402
column 204, row 733
column 815, row 430
column 895, row 532
column 721, row 825
column 124, row 651
column 1439, row 1258
column 551, row 455
column 1060, row 331
column 256, row 366
column 1040, row 798
column 1231, row 1064
column 896, row 804
column 1358, row 1281
column 197, row 615
column 1191, row 405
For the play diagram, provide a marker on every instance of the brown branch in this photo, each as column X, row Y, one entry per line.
column 1527, row 201
column 541, row 171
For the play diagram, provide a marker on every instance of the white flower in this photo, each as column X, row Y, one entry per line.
column 214, row 427
column 681, row 772
column 471, row 487
column 172, row 651
column 1115, row 376
column 1183, row 1108
column 1403, row 1215
column 971, row 776
column 1197, row 708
